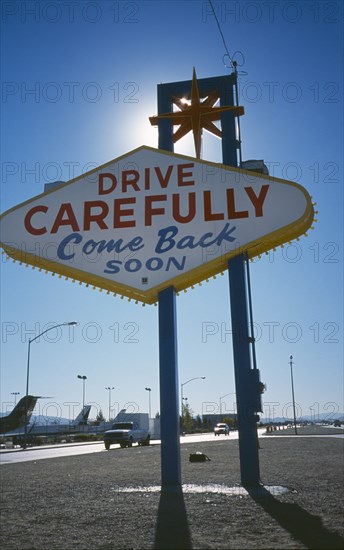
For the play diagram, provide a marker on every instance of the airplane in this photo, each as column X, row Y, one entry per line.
column 16, row 418
column 77, row 426
column 74, row 426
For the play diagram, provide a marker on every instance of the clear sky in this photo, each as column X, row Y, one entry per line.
column 79, row 83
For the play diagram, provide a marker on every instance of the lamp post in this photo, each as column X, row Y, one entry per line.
column 181, row 393
column 83, row 378
column 28, row 371
column 15, row 393
column 109, row 390
column 292, row 391
column 149, row 401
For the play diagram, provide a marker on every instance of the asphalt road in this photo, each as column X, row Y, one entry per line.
column 12, row 456
column 39, row 453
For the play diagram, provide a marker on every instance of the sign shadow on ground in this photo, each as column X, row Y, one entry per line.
column 172, row 528
column 303, row 526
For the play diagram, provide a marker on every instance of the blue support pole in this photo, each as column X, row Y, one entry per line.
column 229, row 141
column 165, row 127
column 248, row 442
column 169, row 390
column 247, row 426
column 168, row 360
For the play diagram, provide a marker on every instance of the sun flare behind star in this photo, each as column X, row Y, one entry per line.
column 196, row 114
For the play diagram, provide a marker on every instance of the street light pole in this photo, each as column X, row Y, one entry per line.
column 292, row 391
column 83, row 378
column 15, row 393
column 109, row 390
column 181, row 393
column 149, row 393
column 28, row 372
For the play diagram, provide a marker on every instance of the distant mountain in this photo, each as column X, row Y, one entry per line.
column 323, row 417
column 41, row 420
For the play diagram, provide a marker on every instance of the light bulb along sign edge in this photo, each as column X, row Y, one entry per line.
column 151, row 219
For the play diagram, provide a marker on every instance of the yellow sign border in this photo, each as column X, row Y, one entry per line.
column 183, row 281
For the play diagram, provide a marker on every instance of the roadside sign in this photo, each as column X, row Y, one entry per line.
column 152, row 219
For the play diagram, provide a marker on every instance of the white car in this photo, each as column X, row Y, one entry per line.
column 221, row 428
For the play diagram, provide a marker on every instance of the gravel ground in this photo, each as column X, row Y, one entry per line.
column 92, row 502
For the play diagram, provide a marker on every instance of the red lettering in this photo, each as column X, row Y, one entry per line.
column 163, row 180
column 98, row 217
column 65, row 209
column 150, row 211
column 27, row 220
column 102, row 189
column 208, row 214
column 147, row 179
column 232, row 213
column 258, row 201
column 119, row 212
column 191, row 208
column 182, row 175
column 130, row 177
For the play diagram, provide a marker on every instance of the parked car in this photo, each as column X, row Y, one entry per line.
column 221, row 428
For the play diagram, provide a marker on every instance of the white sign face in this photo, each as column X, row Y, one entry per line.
column 152, row 219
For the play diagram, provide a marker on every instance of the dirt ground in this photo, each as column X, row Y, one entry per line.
column 92, row 502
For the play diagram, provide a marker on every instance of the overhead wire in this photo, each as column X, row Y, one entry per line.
column 234, row 67
column 233, row 64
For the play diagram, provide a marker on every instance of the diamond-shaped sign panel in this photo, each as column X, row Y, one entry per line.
column 152, row 219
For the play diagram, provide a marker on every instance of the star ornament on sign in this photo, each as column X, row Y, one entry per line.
column 196, row 115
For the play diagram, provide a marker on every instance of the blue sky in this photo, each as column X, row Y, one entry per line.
column 79, row 83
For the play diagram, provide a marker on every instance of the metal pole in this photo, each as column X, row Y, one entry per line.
column 108, row 388
column 181, row 391
column 149, row 401
column 170, row 441
column 292, row 392
column 182, row 408
column 28, row 373
column 83, row 378
column 252, row 338
column 15, row 393
column 109, row 403
column 169, row 399
column 27, row 393
column 248, row 448
column 168, row 360
column 235, row 76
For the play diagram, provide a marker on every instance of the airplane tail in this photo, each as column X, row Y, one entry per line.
column 82, row 417
column 16, row 418
column 121, row 416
